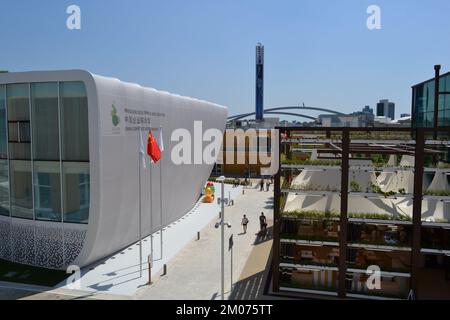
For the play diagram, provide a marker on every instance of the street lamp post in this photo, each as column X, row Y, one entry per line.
column 222, row 224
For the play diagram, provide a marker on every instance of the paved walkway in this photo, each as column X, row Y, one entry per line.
column 120, row 274
column 194, row 273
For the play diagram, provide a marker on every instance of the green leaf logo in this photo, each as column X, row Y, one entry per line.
column 115, row 118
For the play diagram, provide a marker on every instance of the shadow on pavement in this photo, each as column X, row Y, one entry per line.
column 11, row 294
column 250, row 288
column 261, row 238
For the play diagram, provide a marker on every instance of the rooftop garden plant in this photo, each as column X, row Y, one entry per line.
column 439, row 193
column 319, row 238
column 310, row 214
column 377, row 189
column 443, row 165
column 355, row 186
column 379, row 216
column 228, row 181
column 317, row 214
column 309, row 162
column 312, row 187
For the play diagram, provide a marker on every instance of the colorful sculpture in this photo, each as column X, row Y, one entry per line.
column 209, row 193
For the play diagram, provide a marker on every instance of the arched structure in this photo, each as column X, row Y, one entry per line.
column 280, row 110
column 245, row 115
column 291, row 114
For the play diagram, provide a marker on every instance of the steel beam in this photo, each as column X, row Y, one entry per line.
column 276, row 225
column 417, row 209
column 344, row 212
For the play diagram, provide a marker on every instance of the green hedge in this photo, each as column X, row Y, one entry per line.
column 314, row 214
column 291, row 236
column 317, row 214
column 439, row 193
column 312, row 162
column 227, row 181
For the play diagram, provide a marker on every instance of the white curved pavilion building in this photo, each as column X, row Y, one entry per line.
column 70, row 163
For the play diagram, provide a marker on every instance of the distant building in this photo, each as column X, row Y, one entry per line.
column 404, row 121
column 423, row 102
column 328, row 120
column 265, row 123
column 387, row 122
column 240, row 152
column 386, row 109
column 364, row 118
column 367, row 109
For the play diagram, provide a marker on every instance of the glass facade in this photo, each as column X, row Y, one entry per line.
column 75, row 129
column 3, row 146
column 423, row 103
column 4, row 188
column 47, row 191
column 18, row 101
column 44, row 151
column 21, row 191
column 45, row 121
column 76, row 192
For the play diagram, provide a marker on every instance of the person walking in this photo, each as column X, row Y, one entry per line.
column 244, row 223
column 261, row 185
column 267, row 185
column 262, row 223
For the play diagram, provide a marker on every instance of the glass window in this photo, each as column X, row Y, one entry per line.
column 309, row 279
column 430, row 96
column 442, row 83
column 44, row 104
column 4, row 188
column 21, row 189
column 434, row 275
column 391, row 285
column 13, row 131
column 18, row 102
column 47, row 191
column 24, row 132
column 74, row 121
column 76, row 188
column 3, row 147
column 19, row 121
column 420, row 100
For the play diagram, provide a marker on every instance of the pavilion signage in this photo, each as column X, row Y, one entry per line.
column 124, row 119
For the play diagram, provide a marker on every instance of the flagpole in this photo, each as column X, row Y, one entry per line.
column 140, row 207
column 160, row 195
column 151, row 212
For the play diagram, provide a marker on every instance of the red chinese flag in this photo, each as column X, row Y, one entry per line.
column 152, row 148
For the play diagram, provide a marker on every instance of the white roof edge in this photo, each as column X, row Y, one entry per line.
column 27, row 74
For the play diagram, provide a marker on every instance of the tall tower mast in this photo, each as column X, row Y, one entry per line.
column 259, row 102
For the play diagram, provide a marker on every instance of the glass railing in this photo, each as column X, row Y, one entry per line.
column 360, row 285
column 310, row 281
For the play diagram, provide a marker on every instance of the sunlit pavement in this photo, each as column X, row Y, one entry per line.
column 194, row 273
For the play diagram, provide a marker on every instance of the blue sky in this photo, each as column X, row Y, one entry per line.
column 317, row 52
